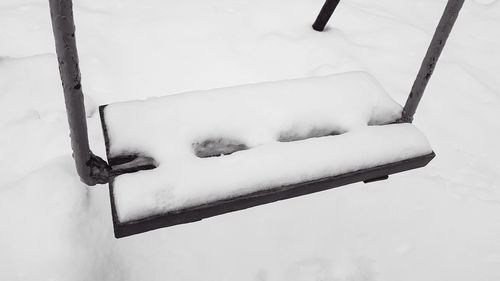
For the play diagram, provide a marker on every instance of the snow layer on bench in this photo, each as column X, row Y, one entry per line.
column 256, row 116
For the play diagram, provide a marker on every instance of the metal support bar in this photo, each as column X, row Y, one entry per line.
column 91, row 168
column 441, row 34
column 325, row 14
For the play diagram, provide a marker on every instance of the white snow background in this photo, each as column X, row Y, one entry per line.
column 437, row 223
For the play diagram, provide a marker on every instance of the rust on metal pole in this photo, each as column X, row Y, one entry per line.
column 436, row 46
column 90, row 168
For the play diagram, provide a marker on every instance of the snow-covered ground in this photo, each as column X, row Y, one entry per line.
column 438, row 223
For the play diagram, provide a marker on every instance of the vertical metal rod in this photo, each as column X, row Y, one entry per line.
column 325, row 14
column 436, row 46
column 90, row 168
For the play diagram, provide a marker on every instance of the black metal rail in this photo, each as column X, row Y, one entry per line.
column 325, row 14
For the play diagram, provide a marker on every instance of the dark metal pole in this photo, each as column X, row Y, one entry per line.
column 325, row 14
column 431, row 57
column 90, row 168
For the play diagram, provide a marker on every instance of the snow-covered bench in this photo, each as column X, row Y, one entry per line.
column 214, row 145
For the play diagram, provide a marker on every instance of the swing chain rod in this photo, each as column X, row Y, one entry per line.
column 91, row 168
column 436, row 46
column 325, row 14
